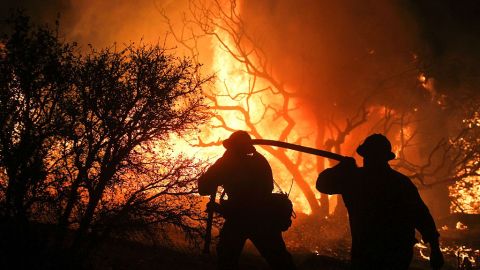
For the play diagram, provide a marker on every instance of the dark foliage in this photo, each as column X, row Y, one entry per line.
column 85, row 144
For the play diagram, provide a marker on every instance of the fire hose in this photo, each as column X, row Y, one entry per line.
column 299, row 148
column 291, row 146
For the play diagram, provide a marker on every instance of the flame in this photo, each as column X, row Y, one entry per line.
column 426, row 83
column 236, row 87
column 461, row 253
column 460, row 226
column 465, row 194
column 421, row 248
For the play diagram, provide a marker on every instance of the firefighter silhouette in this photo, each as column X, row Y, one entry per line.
column 384, row 209
column 246, row 177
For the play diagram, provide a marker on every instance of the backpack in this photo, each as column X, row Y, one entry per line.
column 279, row 211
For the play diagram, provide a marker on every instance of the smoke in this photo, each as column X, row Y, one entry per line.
column 105, row 22
column 333, row 52
column 338, row 53
column 450, row 32
column 40, row 11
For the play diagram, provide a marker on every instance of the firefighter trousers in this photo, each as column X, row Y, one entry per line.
column 268, row 242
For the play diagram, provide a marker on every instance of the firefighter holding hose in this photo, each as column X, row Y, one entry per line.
column 384, row 209
column 247, row 180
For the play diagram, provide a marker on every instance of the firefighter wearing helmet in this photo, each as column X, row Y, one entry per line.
column 384, row 208
column 247, row 180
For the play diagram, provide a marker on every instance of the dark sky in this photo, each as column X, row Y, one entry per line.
column 44, row 10
column 100, row 23
column 450, row 32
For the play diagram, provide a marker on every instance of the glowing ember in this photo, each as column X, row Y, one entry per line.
column 463, row 255
column 421, row 248
column 460, row 226
column 465, row 194
column 427, row 84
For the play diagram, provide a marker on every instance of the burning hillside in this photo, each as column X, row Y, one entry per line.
column 321, row 74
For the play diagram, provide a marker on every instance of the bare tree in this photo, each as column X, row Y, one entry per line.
column 151, row 192
column 122, row 100
column 85, row 140
column 222, row 23
column 452, row 161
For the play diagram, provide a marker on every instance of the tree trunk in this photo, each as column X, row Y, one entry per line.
column 304, row 186
column 324, row 202
column 95, row 198
column 72, row 199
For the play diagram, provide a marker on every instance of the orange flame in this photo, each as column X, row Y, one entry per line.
column 238, row 90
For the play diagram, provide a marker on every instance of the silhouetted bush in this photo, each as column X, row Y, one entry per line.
column 85, row 141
